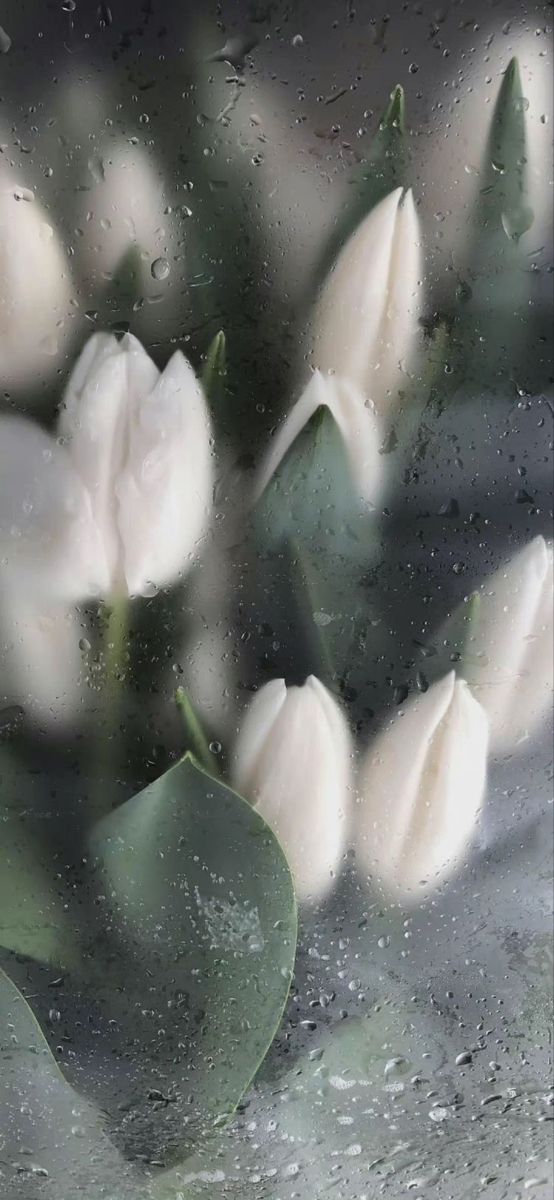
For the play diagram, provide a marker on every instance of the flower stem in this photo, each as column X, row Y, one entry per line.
column 198, row 742
column 114, row 643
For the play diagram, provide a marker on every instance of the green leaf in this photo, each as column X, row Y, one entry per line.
column 311, row 494
column 123, row 292
column 53, row 1142
column 214, row 375
column 504, row 202
column 197, row 741
column 202, row 933
column 34, row 915
column 315, row 541
column 384, row 168
column 494, row 295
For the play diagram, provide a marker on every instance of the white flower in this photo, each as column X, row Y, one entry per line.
column 117, row 504
column 140, row 442
column 35, row 298
column 48, row 539
column 125, row 208
column 421, row 787
column 510, row 648
column 292, row 760
column 365, row 323
column 356, row 420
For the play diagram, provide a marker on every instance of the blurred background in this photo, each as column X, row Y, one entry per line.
column 217, row 144
column 178, row 169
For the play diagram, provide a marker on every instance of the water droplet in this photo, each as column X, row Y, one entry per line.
column 517, row 222
column 160, row 269
column 23, row 193
column 149, row 590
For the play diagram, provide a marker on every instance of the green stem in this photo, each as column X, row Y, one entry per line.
column 115, row 642
column 311, row 604
column 114, row 645
column 198, row 742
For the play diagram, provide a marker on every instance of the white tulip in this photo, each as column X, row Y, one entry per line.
column 366, row 320
column 356, row 420
column 292, row 761
column 421, row 787
column 140, row 442
column 35, row 298
column 125, row 209
column 116, row 505
column 510, row 648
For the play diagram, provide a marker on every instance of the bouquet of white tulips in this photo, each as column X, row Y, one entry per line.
column 228, row 679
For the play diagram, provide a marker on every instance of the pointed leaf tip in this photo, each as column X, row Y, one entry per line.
column 214, row 370
column 395, row 113
column 512, row 73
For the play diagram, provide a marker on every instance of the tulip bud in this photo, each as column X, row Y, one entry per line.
column 365, row 324
column 36, row 287
column 292, row 761
column 356, row 421
column 421, row 787
column 140, row 442
column 510, row 645
column 125, row 209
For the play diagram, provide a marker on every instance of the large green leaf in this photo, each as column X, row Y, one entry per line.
column 200, row 934
column 52, row 1141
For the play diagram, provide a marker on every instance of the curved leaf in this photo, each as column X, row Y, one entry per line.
column 315, row 541
column 202, row 910
column 51, row 1140
column 34, row 917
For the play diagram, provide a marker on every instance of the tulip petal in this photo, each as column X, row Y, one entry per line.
column 39, row 653
column 35, row 302
column 142, row 373
column 292, row 760
column 421, row 788
column 356, row 420
column 47, row 532
column 256, row 727
column 399, row 324
column 164, row 491
column 511, row 669
column 365, row 322
column 109, row 379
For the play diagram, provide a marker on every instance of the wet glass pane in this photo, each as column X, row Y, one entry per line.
column 276, row 600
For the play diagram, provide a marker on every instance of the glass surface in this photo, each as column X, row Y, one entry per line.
column 276, row 944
